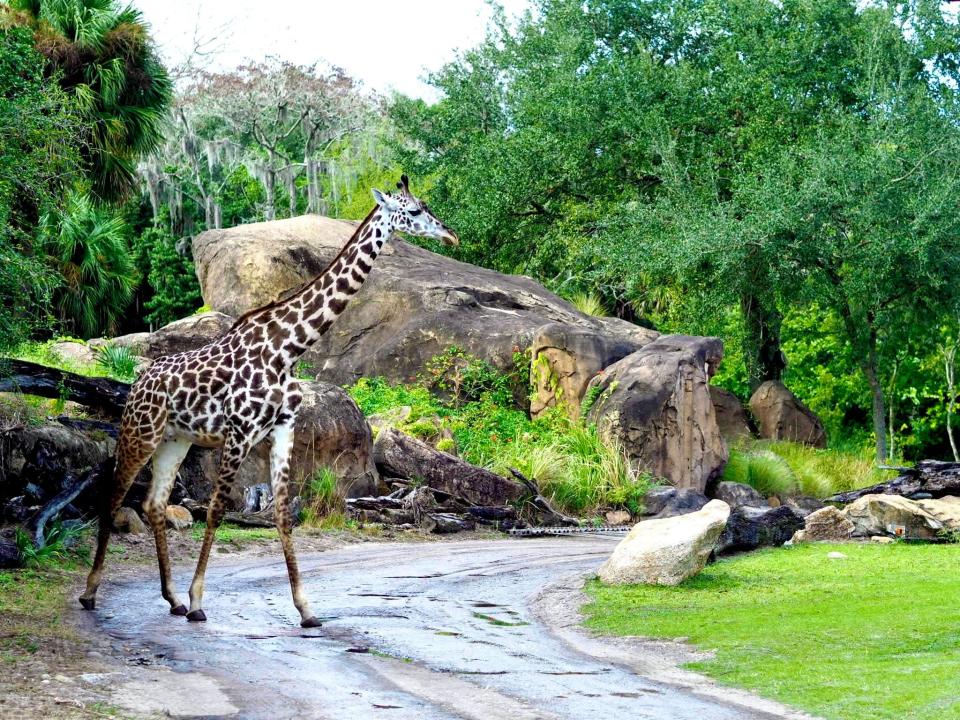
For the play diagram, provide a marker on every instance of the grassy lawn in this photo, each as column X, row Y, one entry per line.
column 876, row 635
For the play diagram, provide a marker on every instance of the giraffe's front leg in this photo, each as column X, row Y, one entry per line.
column 282, row 437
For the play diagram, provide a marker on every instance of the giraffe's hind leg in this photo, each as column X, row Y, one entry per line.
column 132, row 454
column 166, row 461
column 235, row 449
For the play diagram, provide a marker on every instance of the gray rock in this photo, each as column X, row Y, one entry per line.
column 126, row 520
column 731, row 416
column 656, row 404
column 566, row 357
column 189, row 333
column 664, row 502
column 781, row 416
column 414, row 305
column 892, row 515
column 736, row 494
column 749, row 528
column 9, row 554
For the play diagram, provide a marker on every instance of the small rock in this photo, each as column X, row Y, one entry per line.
column 773, row 501
column 618, row 517
column 63, row 678
column 127, row 521
column 737, row 494
column 836, row 556
column 75, row 352
column 178, row 517
column 751, row 527
column 882, row 539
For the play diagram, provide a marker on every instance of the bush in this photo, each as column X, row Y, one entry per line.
column 322, row 498
column 569, row 461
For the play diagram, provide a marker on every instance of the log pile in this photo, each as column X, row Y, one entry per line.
column 927, row 479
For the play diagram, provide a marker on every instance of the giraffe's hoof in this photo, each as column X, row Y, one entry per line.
column 179, row 610
column 196, row 616
column 310, row 622
column 88, row 603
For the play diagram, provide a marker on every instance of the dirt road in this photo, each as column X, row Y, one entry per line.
column 476, row 629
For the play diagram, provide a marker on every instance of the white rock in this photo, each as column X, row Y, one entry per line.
column 892, row 515
column 836, row 556
column 667, row 551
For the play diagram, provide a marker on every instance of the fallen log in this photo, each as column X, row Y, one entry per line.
column 549, row 516
column 101, row 394
column 72, row 486
column 933, row 477
column 399, row 455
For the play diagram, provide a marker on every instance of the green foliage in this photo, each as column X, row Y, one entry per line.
column 716, row 168
column 61, row 544
column 850, row 637
column 89, row 247
column 172, row 277
column 101, row 53
column 570, row 462
column 117, row 361
column 466, row 378
column 39, row 137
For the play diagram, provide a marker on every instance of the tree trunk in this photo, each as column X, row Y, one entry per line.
column 869, row 365
column 102, row 394
column 762, row 353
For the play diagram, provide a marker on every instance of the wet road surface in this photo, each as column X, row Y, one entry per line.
column 429, row 630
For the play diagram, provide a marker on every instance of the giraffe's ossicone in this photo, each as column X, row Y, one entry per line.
column 239, row 390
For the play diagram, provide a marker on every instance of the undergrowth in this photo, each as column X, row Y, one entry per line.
column 782, row 468
column 572, row 465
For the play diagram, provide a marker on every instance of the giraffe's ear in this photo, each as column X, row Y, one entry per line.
column 384, row 200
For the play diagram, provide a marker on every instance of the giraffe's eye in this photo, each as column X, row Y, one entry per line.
column 415, row 212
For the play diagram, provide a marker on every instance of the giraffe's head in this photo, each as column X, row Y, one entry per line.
column 411, row 215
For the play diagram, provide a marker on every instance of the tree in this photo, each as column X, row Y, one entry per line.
column 101, row 53
column 39, row 135
column 89, row 247
column 290, row 127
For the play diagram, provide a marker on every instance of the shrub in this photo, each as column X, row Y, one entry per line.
column 62, row 542
column 117, row 361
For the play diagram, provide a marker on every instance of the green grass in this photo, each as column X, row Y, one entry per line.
column 32, row 606
column 235, row 534
column 876, row 635
column 782, row 467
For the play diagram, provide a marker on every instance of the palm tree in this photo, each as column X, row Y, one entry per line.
column 89, row 246
column 103, row 55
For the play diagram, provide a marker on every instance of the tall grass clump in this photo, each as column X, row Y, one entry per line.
column 323, row 502
column 588, row 303
column 117, row 361
column 781, row 467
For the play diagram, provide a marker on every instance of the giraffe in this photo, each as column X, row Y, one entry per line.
column 236, row 391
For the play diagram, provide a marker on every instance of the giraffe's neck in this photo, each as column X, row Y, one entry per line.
column 292, row 325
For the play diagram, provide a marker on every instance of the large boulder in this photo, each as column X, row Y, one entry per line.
column 731, row 417
column 892, row 515
column 667, row 551
column 656, row 404
column 945, row 509
column 76, row 353
column 414, row 305
column 781, row 416
column 564, row 358
column 749, row 528
column 189, row 333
